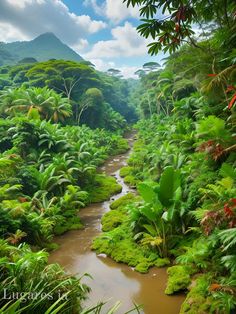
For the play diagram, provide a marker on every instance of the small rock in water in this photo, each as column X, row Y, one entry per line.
column 154, row 275
column 102, row 255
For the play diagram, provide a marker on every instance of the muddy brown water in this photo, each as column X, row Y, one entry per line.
column 112, row 281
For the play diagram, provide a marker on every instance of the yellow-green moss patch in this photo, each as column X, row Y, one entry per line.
column 125, row 171
column 104, row 187
column 179, row 278
column 122, row 201
column 199, row 299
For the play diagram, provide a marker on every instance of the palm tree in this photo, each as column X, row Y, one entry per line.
column 60, row 109
column 49, row 104
column 8, row 98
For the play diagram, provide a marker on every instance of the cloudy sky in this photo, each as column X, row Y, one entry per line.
column 102, row 31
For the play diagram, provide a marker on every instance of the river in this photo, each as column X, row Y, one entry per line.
column 111, row 281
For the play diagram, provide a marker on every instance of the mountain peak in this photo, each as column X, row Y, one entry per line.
column 47, row 36
column 44, row 47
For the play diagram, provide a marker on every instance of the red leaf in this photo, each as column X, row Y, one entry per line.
column 233, row 100
column 212, row 75
column 177, row 27
column 214, row 287
column 233, row 200
column 230, row 88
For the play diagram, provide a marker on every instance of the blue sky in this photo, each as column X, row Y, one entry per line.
column 102, row 31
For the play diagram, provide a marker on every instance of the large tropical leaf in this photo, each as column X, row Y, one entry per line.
column 147, row 192
column 169, row 183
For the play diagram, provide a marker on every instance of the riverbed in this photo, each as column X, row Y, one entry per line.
column 111, row 281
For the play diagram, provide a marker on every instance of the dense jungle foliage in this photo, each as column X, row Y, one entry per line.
column 183, row 164
column 48, row 170
column 60, row 120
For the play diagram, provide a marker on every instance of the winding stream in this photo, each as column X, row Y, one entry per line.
column 112, row 281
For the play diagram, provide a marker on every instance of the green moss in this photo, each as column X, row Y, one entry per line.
column 52, row 246
column 122, row 201
column 72, row 223
column 104, row 187
column 131, row 180
column 125, row 171
column 112, row 219
column 118, row 214
column 117, row 240
column 179, row 278
column 143, row 266
column 119, row 245
column 198, row 299
column 122, row 147
column 162, row 262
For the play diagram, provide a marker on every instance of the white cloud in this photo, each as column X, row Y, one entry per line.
column 81, row 45
column 9, row 33
column 126, row 42
column 102, row 65
column 114, row 10
column 126, row 71
column 29, row 18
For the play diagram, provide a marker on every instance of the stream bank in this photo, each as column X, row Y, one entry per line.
column 112, row 281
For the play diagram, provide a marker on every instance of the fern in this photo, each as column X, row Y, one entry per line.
column 228, row 238
column 229, row 261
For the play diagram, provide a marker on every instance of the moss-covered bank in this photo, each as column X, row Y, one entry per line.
column 117, row 239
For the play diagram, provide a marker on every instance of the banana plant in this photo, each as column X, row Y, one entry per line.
column 166, row 196
column 159, row 213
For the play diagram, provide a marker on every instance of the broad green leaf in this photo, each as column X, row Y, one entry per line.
column 150, row 229
column 148, row 213
column 147, row 192
column 169, row 183
column 171, row 213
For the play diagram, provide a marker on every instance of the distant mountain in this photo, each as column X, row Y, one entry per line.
column 44, row 47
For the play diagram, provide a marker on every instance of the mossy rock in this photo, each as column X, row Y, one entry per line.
column 125, row 171
column 131, row 180
column 104, row 187
column 122, row 201
column 112, row 219
column 179, row 278
column 198, row 299
column 122, row 146
column 119, row 245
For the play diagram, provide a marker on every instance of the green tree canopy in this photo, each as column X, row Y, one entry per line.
column 176, row 25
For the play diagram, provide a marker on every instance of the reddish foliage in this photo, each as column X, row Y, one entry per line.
column 228, row 210
column 212, row 148
column 212, row 75
column 220, row 218
column 230, row 88
column 232, row 102
column 233, row 201
column 12, row 156
column 22, row 199
column 211, row 220
column 214, row 287
column 177, row 27
column 218, row 152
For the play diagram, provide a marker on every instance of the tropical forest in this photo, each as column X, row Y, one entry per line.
column 118, row 164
